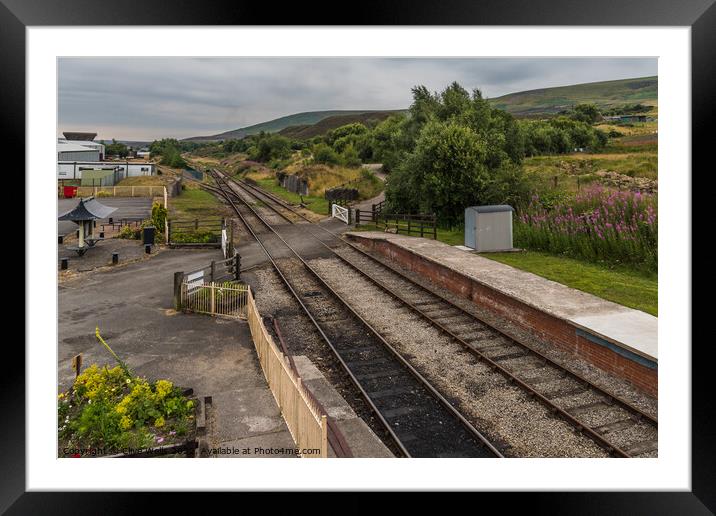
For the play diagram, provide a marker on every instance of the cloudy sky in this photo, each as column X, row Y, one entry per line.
column 142, row 98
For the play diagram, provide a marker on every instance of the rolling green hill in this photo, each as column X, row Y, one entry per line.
column 306, row 131
column 605, row 94
column 272, row 126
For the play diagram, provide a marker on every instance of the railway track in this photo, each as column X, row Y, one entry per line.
column 619, row 427
column 418, row 418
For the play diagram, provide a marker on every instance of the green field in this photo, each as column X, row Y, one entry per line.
column 194, row 203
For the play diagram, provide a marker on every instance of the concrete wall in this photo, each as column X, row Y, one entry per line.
column 71, row 169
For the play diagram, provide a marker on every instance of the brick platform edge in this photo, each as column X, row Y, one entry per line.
column 639, row 371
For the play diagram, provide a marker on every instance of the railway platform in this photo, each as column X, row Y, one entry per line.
column 617, row 339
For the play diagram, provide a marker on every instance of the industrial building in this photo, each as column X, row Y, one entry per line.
column 71, row 151
column 74, row 169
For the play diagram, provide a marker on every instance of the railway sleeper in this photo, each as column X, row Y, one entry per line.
column 615, row 426
column 642, row 447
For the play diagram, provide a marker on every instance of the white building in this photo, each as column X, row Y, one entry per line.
column 89, row 144
column 70, row 151
column 73, row 169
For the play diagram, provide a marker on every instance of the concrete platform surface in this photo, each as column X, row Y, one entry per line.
column 132, row 305
column 625, row 327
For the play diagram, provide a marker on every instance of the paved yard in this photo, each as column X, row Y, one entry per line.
column 127, row 207
column 132, row 306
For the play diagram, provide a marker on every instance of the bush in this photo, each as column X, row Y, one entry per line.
column 159, row 217
column 110, row 409
column 324, row 154
column 198, row 236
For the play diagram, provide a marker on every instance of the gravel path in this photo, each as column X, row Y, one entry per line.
column 520, row 426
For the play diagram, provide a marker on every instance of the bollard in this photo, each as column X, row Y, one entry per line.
column 101, row 234
column 148, row 249
column 64, row 263
column 115, row 258
column 178, row 279
column 59, row 239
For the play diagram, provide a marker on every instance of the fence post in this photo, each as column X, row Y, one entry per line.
column 357, row 216
column 213, row 290
column 349, row 214
column 213, row 270
column 324, row 436
column 132, row 191
column 435, row 227
column 196, row 224
column 237, row 266
column 409, row 225
column 330, row 207
column 178, row 279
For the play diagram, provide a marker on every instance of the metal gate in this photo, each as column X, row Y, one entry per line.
column 227, row 299
column 340, row 213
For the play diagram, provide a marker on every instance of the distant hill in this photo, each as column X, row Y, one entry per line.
column 544, row 101
column 274, row 126
column 605, row 94
column 303, row 132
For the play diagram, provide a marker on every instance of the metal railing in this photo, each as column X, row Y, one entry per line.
column 306, row 422
column 227, row 298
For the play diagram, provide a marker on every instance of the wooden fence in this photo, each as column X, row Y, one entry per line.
column 122, row 191
column 306, row 421
column 208, row 232
column 424, row 225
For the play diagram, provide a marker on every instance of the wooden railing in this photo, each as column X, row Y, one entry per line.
column 122, row 191
column 306, row 422
column 423, row 225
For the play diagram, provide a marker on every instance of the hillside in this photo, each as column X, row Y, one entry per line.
column 303, row 132
column 605, row 94
column 276, row 125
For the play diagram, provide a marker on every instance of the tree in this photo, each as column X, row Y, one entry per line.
column 446, row 172
column 588, row 113
column 116, row 149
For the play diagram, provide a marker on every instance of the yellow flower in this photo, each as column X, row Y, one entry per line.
column 120, row 409
column 125, row 423
column 163, row 387
column 159, row 422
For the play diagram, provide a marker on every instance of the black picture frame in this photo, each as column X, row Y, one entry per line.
column 700, row 15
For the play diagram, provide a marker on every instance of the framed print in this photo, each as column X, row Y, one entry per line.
column 430, row 234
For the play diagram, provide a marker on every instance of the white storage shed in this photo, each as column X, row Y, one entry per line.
column 489, row 228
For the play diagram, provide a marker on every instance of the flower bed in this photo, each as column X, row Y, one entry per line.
column 109, row 412
column 597, row 224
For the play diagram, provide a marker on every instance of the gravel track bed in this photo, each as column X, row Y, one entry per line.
column 302, row 338
column 509, row 418
column 610, row 383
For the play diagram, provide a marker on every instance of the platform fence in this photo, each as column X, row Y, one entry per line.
column 305, row 420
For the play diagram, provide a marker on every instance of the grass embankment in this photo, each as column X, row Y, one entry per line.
column 194, row 203
column 622, row 285
column 320, row 178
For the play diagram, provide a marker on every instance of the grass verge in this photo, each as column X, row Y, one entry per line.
column 194, row 203
column 620, row 285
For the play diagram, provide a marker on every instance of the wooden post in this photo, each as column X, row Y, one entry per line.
column 178, row 279
column 357, row 216
column 435, row 227
column 330, row 207
column 196, row 224
column 213, row 270
column 132, row 191
column 77, row 364
column 349, row 214
column 408, row 225
column 237, row 266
